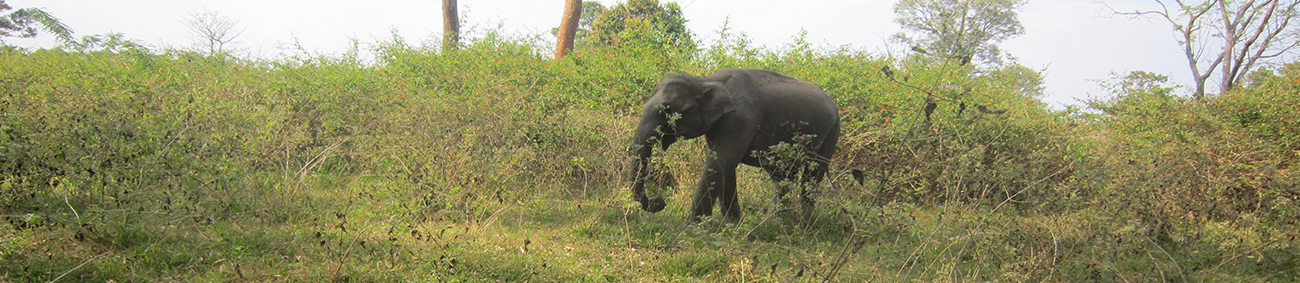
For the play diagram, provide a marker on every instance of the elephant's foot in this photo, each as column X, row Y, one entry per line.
column 697, row 218
column 731, row 216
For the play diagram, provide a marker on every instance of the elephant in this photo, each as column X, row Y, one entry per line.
column 741, row 113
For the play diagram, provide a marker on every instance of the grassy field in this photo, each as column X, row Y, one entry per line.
column 495, row 163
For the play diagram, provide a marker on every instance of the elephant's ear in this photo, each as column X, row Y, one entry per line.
column 715, row 102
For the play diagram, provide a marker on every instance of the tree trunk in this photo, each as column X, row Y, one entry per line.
column 568, row 27
column 450, row 25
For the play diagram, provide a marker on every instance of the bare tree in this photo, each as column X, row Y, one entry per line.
column 568, row 27
column 450, row 25
column 1232, row 37
column 213, row 31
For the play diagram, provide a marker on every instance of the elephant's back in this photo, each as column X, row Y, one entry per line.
column 758, row 77
column 759, row 82
column 781, row 93
column 784, row 102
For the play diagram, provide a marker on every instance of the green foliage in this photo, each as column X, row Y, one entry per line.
column 965, row 30
column 111, row 42
column 1207, row 181
column 642, row 22
column 23, row 22
column 494, row 162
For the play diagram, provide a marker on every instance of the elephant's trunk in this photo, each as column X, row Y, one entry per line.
column 648, row 133
column 638, row 184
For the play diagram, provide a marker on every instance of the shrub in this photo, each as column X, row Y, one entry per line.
column 1181, row 169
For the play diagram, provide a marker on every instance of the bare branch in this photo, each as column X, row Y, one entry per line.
column 213, row 31
column 1229, row 38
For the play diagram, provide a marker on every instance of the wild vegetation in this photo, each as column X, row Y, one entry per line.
column 496, row 162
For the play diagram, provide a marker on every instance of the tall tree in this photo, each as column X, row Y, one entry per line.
column 450, row 25
column 1232, row 37
column 213, row 31
column 568, row 27
column 963, row 30
column 642, row 22
column 23, row 23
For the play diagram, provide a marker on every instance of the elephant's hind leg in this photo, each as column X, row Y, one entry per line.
column 781, row 181
column 812, row 177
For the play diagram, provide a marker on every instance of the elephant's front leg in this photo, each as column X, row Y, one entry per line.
column 717, row 182
column 703, row 203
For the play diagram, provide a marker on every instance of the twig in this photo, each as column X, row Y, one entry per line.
column 1009, row 198
column 493, row 218
column 1112, row 266
column 321, row 156
column 1159, row 270
column 915, row 252
column 315, row 160
column 174, row 139
column 74, row 210
column 348, row 251
column 844, row 258
column 948, row 247
column 65, row 273
column 1056, row 245
column 1253, row 250
column 1181, row 273
column 760, row 223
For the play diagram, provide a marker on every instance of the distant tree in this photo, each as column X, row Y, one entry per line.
column 1026, row 81
column 641, row 22
column 213, row 31
column 1139, row 82
column 963, row 30
column 1233, row 37
column 1134, row 93
column 568, row 27
column 450, row 25
column 23, row 22
column 590, row 11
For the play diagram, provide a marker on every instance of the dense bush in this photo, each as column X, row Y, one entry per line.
column 1194, row 176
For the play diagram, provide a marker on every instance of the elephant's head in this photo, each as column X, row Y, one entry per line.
column 683, row 106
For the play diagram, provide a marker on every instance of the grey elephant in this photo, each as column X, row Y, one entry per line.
column 741, row 113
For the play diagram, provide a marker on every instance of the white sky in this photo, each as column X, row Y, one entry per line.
column 1074, row 41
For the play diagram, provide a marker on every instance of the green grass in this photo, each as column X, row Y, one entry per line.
column 494, row 163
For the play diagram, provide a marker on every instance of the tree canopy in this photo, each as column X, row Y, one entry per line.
column 637, row 22
column 964, row 30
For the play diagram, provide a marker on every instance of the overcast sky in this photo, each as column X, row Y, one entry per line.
column 1073, row 41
